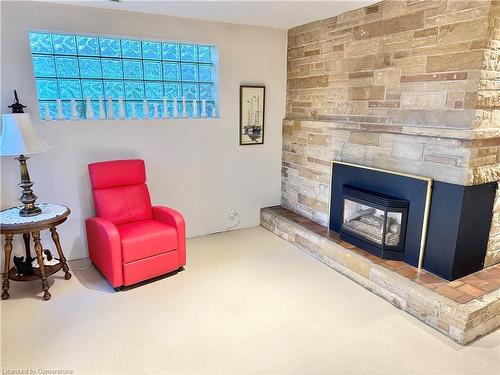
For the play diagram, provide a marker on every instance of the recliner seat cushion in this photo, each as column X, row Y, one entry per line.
column 142, row 239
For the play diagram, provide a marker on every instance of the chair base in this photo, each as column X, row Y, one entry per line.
column 152, row 280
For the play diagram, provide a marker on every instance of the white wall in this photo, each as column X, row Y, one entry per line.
column 195, row 166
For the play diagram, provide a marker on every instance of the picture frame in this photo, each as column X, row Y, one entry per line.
column 252, row 114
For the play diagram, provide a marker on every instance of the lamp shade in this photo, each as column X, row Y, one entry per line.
column 18, row 136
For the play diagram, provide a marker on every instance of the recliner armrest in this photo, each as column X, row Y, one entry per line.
column 173, row 218
column 103, row 240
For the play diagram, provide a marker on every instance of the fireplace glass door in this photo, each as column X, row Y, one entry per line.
column 374, row 221
column 369, row 222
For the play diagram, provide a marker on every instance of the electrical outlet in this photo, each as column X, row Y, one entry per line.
column 231, row 213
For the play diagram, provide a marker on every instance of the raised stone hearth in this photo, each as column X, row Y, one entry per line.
column 464, row 309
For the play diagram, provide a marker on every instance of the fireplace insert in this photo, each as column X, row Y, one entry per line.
column 374, row 221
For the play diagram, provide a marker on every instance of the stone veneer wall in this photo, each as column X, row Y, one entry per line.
column 488, row 107
column 410, row 86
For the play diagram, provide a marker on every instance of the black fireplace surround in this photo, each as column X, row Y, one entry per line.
column 405, row 217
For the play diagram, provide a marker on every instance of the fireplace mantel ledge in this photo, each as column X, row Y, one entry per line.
column 426, row 131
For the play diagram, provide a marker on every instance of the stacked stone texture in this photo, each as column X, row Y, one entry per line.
column 409, row 86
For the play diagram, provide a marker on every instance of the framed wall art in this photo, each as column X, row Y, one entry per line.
column 252, row 109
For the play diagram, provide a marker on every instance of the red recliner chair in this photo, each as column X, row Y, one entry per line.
column 129, row 240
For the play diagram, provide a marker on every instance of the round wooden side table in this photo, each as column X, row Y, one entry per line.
column 11, row 223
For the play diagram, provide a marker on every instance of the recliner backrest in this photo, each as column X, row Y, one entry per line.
column 119, row 191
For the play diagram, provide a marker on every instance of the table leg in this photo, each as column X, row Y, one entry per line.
column 55, row 238
column 6, row 268
column 38, row 250
column 26, row 238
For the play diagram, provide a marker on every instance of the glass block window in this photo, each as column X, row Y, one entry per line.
column 77, row 67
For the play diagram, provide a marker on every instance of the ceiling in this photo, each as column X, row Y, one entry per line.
column 277, row 14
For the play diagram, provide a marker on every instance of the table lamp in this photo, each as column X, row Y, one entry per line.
column 19, row 138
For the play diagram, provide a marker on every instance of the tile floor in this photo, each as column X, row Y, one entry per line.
column 461, row 290
column 247, row 303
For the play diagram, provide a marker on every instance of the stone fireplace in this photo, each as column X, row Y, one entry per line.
column 404, row 86
column 399, row 88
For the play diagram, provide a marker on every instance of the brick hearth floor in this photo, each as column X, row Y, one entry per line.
column 464, row 309
column 461, row 290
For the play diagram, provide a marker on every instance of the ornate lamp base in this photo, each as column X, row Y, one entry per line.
column 27, row 197
column 25, row 212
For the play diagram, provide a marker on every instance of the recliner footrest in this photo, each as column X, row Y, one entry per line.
column 147, row 268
